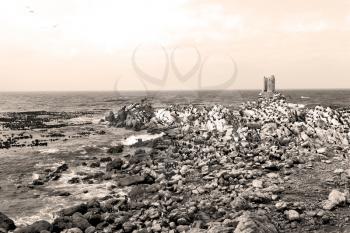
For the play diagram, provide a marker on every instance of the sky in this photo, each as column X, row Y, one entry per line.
column 109, row 45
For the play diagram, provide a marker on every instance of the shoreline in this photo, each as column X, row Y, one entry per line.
column 247, row 167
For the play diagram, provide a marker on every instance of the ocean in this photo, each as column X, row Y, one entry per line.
column 99, row 101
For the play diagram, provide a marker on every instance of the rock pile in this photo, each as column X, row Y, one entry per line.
column 276, row 119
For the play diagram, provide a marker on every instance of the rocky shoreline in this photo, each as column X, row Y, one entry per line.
column 216, row 169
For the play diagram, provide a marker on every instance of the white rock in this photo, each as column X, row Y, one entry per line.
column 322, row 150
column 335, row 198
column 292, row 215
column 257, row 184
column 338, row 171
column 281, row 205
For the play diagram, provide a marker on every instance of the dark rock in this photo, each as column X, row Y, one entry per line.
column 36, row 227
column 134, row 180
column 6, row 223
column 115, row 164
column 101, row 225
column 37, row 182
column 95, row 164
column 129, row 226
column 82, row 208
column 74, row 180
column 93, row 218
column 106, row 159
column 61, row 193
column 116, row 149
column 93, row 204
column 62, row 223
column 80, row 222
column 110, row 117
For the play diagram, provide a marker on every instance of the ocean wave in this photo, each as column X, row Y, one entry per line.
column 143, row 137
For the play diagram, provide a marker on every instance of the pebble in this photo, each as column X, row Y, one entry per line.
column 281, row 205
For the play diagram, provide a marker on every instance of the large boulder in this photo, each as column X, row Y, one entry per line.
column 6, row 223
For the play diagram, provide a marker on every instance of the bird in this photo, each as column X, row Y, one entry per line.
column 30, row 10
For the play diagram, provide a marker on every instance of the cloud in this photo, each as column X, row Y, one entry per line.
column 305, row 27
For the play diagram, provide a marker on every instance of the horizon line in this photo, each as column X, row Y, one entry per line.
column 175, row 90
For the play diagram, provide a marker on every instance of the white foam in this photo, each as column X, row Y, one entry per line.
column 144, row 137
column 49, row 151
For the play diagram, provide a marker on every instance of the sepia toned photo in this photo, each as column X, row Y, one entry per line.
column 174, row 116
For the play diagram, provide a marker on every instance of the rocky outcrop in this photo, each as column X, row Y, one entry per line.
column 135, row 116
column 6, row 224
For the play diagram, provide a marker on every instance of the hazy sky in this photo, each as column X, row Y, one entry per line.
column 96, row 44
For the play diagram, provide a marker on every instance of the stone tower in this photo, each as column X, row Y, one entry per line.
column 269, row 84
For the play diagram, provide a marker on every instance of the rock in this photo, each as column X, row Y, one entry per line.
column 321, row 150
column 116, row 149
column 110, row 117
column 335, row 198
column 105, row 159
column 6, row 223
column 115, row 164
column 257, row 184
column 61, row 193
column 292, row 215
column 90, row 230
column 93, row 218
column 251, row 222
column 37, row 182
column 156, row 227
column 82, row 208
column 182, row 229
column 239, row 203
column 61, row 223
column 129, row 226
column 95, row 164
column 338, row 171
column 281, row 205
column 135, row 116
column 134, row 180
column 80, row 222
column 36, row 227
column 74, row 180
column 72, row 230
column 221, row 229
